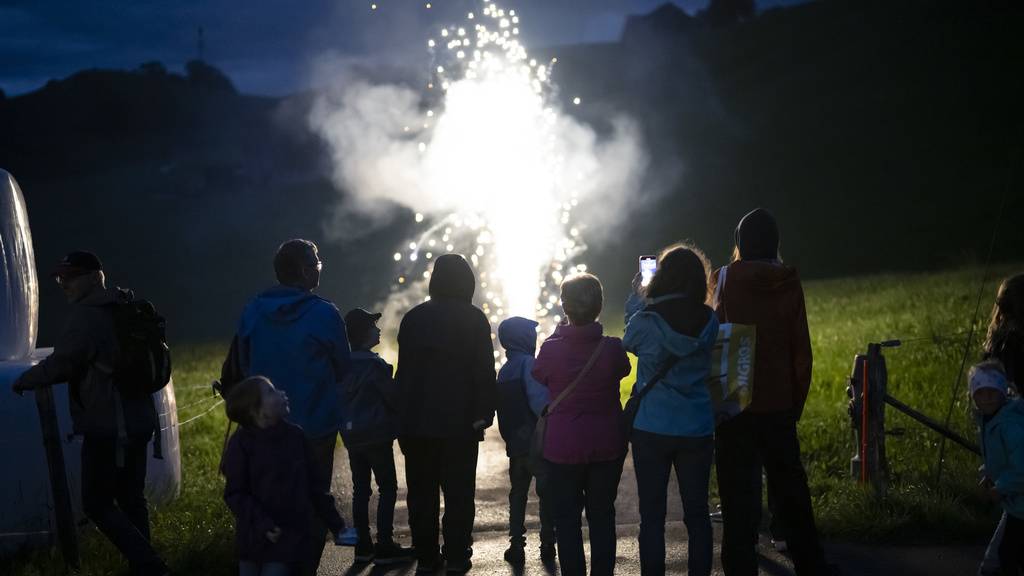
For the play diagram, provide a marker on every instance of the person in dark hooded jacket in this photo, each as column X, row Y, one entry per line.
column 447, row 382
column 758, row 289
column 113, row 456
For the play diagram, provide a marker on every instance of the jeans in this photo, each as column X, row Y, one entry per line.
column 321, row 451
column 591, row 487
column 432, row 466
column 378, row 459
column 654, row 456
column 267, row 569
column 521, row 471
column 113, row 498
column 1011, row 549
column 743, row 445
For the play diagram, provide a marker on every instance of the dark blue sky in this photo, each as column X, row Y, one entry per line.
column 267, row 46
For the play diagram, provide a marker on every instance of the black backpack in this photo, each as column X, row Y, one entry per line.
column 144, row 360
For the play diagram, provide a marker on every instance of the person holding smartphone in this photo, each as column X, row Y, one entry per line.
column 672, row 332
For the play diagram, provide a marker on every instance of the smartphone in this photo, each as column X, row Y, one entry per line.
column 648, row 265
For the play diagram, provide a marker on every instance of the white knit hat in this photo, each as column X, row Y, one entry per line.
column 988, row 374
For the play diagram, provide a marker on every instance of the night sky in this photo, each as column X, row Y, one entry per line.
column 268, row 46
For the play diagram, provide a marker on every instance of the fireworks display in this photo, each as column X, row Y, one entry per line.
column 480, row 149
column 500, row 189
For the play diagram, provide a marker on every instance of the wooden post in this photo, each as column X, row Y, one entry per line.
column 66, row 532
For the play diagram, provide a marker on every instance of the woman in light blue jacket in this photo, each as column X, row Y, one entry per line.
column 669, row 326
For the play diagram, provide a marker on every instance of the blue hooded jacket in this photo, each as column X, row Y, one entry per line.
column 679, row 404
column 297, row 340
column 520, row 397
column 1002, row 441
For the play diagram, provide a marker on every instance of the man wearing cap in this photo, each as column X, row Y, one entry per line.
column 113, row 460
column 369, row 426
column 297, row 339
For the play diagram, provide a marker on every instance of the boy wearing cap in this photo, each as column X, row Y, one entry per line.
column 1002, row 439
column 369, row 400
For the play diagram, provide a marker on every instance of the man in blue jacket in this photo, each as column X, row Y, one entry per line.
column 298, row 340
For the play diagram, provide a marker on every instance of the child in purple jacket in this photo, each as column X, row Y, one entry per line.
column 267, row 469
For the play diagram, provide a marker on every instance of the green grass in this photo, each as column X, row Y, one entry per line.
column 195, row 532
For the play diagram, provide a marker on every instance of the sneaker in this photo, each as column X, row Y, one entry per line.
column 364, row 551
column 547, row 553
column 780, row 545
column 458, row 566
column 428, row 567
column 347, row 537
column 515, row 555
column 389, row 552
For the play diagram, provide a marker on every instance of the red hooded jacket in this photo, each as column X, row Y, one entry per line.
column 768, row 294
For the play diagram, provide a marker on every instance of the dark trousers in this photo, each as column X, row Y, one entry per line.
column 113, row 498
column 591, row 487
column 654, row 456
column 378, row 459
column 433, row 466
column 1011, row 550
column 321, row 450
column 521, row 471
column 743, row 445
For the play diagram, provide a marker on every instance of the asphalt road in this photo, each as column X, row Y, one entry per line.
column 491, row 539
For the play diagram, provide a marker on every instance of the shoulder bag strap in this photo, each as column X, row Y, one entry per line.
column 720, row 291
column 669, row 363
column 579, row 377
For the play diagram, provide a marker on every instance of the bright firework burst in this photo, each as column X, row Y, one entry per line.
column 494, row 174
column 491, row 166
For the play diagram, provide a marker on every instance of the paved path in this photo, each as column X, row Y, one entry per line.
column 490, row 533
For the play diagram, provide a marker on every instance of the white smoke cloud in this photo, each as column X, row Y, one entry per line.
column 495, row 169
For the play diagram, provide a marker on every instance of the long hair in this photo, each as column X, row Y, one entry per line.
column 682, row 269
column 1007, row 313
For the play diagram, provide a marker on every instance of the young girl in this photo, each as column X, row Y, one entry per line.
column 1005, row 343
column 1002, row 438
column 266, row 466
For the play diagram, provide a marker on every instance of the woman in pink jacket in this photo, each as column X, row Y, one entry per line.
column 584, row 445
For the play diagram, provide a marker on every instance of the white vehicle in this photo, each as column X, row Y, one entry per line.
column 26, row 500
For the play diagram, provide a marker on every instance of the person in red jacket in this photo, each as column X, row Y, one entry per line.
column 758, row 289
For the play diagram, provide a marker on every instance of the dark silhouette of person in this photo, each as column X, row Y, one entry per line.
column 115, row 427
column 758, row 288
column 447, row 380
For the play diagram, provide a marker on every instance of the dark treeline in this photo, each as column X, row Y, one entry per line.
column 882, row 135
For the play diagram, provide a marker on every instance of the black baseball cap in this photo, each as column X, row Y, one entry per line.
column 358, row 322
column 77, row 263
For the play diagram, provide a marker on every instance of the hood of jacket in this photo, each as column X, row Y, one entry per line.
column 452, row 277
column 757, row 235
column 283, row 304
column 518, row 334
column 763, row 275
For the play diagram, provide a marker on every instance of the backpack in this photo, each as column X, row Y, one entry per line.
column 143, row 364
